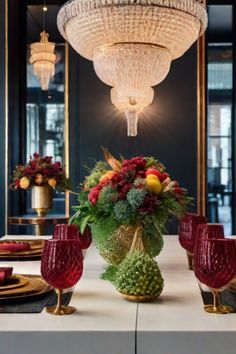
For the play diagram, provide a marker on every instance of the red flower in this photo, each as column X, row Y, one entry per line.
column 94, row 194
column 165, row 175
column 47, row 159
column 17, row 182
column 124, row 190
column 57, row 165
column 29, row 171
column 33, row 164
column 35, row 155
column 150, row 204
column 178, row 190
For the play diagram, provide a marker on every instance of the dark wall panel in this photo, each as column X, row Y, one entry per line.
column 167, row 129
column 2, row 118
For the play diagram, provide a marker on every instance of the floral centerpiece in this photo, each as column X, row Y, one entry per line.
column 123, row 198
column 41, row 175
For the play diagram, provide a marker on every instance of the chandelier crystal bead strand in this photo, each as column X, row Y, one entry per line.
column 132, row 43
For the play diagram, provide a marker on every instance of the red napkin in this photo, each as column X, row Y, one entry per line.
column 14, row 247
column 5, row 272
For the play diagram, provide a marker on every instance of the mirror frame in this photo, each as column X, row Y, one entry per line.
column 202, row 119
column 201, row 127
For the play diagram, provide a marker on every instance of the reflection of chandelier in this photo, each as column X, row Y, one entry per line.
column 132, row 43
column 43, row 59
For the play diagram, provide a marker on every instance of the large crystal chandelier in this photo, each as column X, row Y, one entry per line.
column 132, row 43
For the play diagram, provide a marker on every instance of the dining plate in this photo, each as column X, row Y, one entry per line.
column 36, row 246
column 15, row 281
column 36, row 286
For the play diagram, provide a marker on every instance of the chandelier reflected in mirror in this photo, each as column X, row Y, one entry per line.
column 132, row 43
column 43, row 58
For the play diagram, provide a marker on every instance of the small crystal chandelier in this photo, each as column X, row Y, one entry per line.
column 132, row 43
column 43, row 58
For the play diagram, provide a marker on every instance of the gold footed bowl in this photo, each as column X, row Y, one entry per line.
column 139, row 298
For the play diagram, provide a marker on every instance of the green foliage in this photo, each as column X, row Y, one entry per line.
column 95, row 174
column 152, row 162
column 124, row 213
column 152, row 240
column 139, row 275
column 135, row 197
column 102, row 229
column 106, row 199
column 110, row 273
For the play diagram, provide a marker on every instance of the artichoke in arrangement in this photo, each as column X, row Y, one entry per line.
column 139, row 275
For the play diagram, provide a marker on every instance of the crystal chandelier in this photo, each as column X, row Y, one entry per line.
column 43, row 58
column 132, row 43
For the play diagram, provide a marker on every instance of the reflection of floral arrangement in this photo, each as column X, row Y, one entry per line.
column 39, row 171
column 134, row 192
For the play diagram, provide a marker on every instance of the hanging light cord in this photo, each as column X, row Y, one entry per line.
column 44, row 14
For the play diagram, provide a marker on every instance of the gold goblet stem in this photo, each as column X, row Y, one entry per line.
column 216, row 300
column 59, row 300
column 60, row 309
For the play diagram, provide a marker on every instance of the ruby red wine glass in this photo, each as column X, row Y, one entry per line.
column 188, row 227
column 215, row 266
column 209, row 231
column 72, row 232
column 65, row 232
column 61, row 267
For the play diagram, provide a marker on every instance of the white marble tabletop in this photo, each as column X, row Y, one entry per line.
column 177, row 323
column 104, row 322
column 107, row 324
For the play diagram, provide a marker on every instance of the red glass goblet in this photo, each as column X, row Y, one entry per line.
column 65, row 232
column 187, row 233
column 61, row 267
column 72, row 232
column 215, row 266
column 209, row 231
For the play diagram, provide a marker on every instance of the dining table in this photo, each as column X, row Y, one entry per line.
column 106, row 323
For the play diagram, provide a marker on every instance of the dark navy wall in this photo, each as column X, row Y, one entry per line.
column 2, row 117
column 167, row 130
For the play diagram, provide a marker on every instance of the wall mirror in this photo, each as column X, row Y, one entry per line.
column 219, row 132
column 45, row 109
column 38, row 118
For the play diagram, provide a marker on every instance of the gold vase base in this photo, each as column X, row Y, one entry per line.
column 60, row 311
column 41, row 212
column 221, row 309
column 139, row 298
